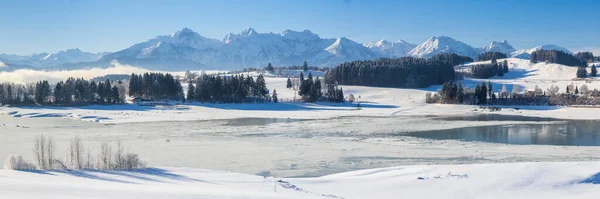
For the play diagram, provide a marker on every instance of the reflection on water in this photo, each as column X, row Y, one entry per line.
column 572, row 133
column 258, row 121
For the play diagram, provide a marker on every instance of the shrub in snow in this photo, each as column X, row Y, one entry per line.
column 43, row 151
column 17, row 163
column 78, row 158
column 351, row 98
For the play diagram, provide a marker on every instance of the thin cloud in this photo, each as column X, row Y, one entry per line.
column 24, row 76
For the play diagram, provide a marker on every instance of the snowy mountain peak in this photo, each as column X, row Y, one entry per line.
column 305, row 35
column 442, row 44
column 390, row 49
column 249, row 32
column 503, row 47
column 73, row 50
column 185, row 32
column 245, row 33
column 341, row 43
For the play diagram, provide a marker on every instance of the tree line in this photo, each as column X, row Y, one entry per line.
column 229, row 89
column 483, row 94
column 311, row 90
column 155, row 86
column 491, row 55
column 486, row 71
column 451, row 58
column 69, row 92
column 585, row 56
column 407, row 72
column 556, row 56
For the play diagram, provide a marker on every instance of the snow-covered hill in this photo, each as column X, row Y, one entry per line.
column 443, row 44
column 390, row 49
column 524, row 54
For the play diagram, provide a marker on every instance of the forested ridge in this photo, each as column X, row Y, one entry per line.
column 408, row 72
column 556, row 56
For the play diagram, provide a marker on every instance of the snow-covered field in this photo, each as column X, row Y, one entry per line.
column 517, row 180
column 305, row 139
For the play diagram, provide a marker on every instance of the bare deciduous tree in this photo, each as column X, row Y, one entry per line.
column 104, row 158
column 76, row 153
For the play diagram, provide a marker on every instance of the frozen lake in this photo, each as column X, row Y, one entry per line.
column 306, row 147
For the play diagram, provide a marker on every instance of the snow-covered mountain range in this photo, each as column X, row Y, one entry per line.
column 188, row 50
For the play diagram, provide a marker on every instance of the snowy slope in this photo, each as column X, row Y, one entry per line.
column 390, row 49
column 524, row 54
column 443, row 44
column 343, row 50
column 519, row 180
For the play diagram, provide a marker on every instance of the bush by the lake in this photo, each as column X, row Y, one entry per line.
column 111, row 157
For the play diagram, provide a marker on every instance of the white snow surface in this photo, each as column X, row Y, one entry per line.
column 517, row 180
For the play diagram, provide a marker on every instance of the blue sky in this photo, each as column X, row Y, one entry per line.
column 48, row 26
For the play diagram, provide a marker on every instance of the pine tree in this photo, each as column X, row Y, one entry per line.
column 576, row 90
column 594, row 71
column 133, row 85
column 2, row 95
column 305, row 67
column 274, row 97
column 319, row 90
column 505, row 66
column 289, row 83
column 459, row 93
column 490, row 89
column 191, row 94
column 500, row 71
column 303, row 89
column 115, row 99
column 261, row 86
column 477, row 95
column 494, row 61
column 581, row 72
column 270, row 68
column 484, row 92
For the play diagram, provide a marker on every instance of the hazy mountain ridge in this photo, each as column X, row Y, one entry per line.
column 44, row 60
